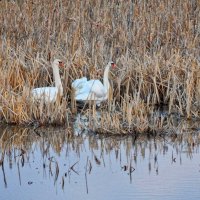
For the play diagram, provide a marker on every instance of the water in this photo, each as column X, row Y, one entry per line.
column 54, row 164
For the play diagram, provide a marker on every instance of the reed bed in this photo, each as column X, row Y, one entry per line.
column 155, row 45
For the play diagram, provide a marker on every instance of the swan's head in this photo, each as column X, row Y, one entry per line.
column 58, row 63
column 112, row 64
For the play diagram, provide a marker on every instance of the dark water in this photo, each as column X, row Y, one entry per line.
column 53, row 164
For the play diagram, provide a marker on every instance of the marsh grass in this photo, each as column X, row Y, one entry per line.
column 155, row 45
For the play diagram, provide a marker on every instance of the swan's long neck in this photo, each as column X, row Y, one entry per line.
column 57, row 79
column 105, row 78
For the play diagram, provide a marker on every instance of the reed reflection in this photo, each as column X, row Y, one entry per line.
column 60, row 154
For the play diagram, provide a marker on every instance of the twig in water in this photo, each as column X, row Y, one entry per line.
column 86, row 176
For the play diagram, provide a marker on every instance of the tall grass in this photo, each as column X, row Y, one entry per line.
column 155, row 45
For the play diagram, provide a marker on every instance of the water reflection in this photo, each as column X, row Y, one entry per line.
column 54, row 163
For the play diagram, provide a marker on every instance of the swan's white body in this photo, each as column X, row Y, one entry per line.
column 49, row 94
column 93, row 90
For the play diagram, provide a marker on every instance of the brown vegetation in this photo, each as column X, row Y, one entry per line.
column 155, row 45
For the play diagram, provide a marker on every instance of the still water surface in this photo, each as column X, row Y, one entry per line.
column 54, row 165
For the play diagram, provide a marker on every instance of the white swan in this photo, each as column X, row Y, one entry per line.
column 49, row 94
column 93, row 89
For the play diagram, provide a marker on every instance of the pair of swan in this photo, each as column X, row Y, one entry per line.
column 85, row 90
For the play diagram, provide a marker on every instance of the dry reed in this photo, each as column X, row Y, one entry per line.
column 155, row 45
